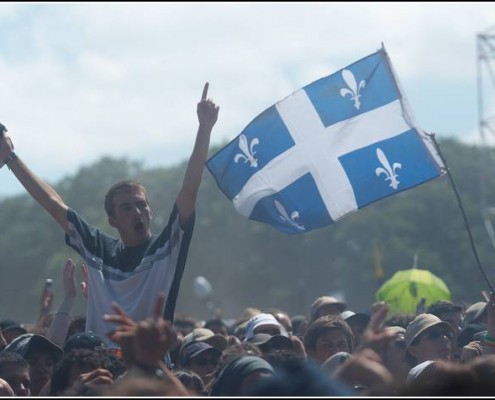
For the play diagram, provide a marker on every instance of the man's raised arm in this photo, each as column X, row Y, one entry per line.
column 43, row 193
column 207, row 115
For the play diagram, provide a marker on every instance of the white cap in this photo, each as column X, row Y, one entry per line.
column 260, row 320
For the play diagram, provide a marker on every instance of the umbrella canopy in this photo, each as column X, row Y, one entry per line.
column 405, row 289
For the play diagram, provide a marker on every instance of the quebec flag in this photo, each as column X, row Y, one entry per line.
column 331, row 148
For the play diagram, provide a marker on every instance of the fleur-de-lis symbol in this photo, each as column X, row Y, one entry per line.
column 248, row 152
column 289, row 220
column 354, row 89
column 388, row 170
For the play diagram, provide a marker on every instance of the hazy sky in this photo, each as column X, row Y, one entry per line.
column 82, row 80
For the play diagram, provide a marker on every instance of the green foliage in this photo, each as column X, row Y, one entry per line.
column 252, row 264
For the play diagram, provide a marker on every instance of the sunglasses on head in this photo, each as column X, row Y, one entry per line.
column 202, row 361
column 434, row 334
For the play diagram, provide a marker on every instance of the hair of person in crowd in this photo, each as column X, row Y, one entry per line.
column 14, row 369
column 399, row 319
column 78, row 325
column 238, row 375
column 74, row 363
column 192, row 381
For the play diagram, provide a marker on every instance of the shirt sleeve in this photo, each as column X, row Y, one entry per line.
column 85, row 239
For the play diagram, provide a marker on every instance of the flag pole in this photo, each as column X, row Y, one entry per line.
column 432, row 136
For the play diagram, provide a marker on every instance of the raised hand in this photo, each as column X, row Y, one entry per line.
column 98, row 376
column 144, row 342
column 123, row 334
column 154, row 337
column 207, row 110
column 375, row 336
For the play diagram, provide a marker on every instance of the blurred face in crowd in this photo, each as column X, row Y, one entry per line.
column 454, row 318
column 19, row 380
column 435, row 343
column 41, row 364
column 204, row 364
column 328, row 343
column 394, row 358
column 357, row 326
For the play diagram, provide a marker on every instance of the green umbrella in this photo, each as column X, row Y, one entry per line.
column 405, row 290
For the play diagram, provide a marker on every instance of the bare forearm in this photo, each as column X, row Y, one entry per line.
column 59, row 327
column 196, row 165
column 43, row 193
column 186, row 199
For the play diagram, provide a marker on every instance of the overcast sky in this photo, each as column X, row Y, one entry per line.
column 82, row 80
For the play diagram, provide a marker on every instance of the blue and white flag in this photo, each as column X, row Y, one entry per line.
column 331, row 148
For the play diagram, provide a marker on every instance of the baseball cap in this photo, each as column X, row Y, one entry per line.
column 421, row 323
column 84, row 340
column 207, row 336
column 262, row 319
column 323, row 301
column 351, row 315
column 265, row 341
column 195, row 349
column 31, row 342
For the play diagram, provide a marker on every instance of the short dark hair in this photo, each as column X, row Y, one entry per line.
column 81, row 357
column 443, row 306
column 399, row 319
column 119, row 187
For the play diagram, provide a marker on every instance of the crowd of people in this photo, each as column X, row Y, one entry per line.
column 448, row 350
column 131, row 342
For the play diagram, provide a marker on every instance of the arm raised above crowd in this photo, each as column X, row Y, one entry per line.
column 59, row 327
column 43, row 193
column 207, row 114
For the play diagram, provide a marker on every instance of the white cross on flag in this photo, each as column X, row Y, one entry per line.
column 331, row 148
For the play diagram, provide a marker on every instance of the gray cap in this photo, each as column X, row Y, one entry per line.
column 326, row 300
column 421, row 323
